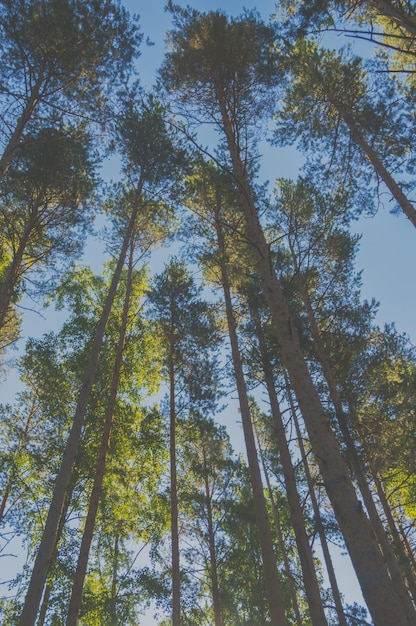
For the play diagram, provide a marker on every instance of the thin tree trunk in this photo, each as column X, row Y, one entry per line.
column 45, row 551
column 397, row 542
column 113, row 599
column 278, row 527
column 317, row 514
column 273, row 588
column 50, row 580
column 382, row 601
column 6, row 493
column 304, row 550
column 216, row 600
column 409, row 554
column 45, row 603
column 402, row 200
column 176, row 583
column 78, row 584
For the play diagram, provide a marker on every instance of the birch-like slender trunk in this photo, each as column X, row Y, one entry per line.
column 216, row 599
column 113, row 598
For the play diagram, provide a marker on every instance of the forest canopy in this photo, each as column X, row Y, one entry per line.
column 205, row 419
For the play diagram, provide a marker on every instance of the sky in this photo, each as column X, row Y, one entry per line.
column 387, row 254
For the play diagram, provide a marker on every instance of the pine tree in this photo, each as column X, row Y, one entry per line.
column 189, row 334
column 60, row 59
column 211, row 79
column 145, row 170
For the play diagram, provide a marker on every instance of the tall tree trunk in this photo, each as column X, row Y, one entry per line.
column 402, row 200
column 45, row 603
column 50, row 577
column 27, row 112
column 409, row 555
column 113, row 599
column 45, row 551
column 278, row 527
column 216, row 600
column 176, row 582
column 273, row 588
column 78, row 583
column 400, row 17
column 317, row 514
column 382, row 601
column 304, row 550
column 352, row 455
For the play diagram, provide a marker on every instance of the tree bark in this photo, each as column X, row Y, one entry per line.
column 78, row 583
column 27, row 112
column 176, row 581
column 353, row 458
column 409, row 555
column 402, row 557
column 318, row 519
column 402, row 200
column 278, row 527
column 13, row 472
column 12, row 274
column 45, row 551
column 49, row 582
column 408, row 22
column 113, row 599
column 216, row 600
column 273, row 588
column 304, row 550
column 381, row 599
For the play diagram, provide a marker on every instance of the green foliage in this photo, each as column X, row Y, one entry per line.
column 151, row 152
column 214, row 59
column 329, row 93
column 45, row 213
column 384, row 388
column 187, row 326
column 390, row 24
column 54, row 167
column 71, row 54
